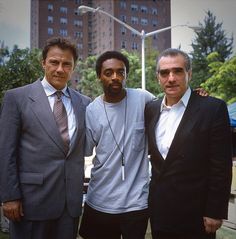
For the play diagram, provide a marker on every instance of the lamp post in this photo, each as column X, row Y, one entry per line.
column 83, row 9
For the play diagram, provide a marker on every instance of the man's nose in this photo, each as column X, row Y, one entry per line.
column 60, row 67
column 114, row 75
column 171, row 76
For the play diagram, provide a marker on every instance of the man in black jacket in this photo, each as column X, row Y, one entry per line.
column 189, row 143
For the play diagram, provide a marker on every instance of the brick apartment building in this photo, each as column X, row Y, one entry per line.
column 95, row 32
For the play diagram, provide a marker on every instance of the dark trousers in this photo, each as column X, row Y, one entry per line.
column 167, row 235
column 99, row 225
column 65, row 227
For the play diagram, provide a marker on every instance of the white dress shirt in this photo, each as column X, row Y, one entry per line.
column 66, row 99
column 169, row 121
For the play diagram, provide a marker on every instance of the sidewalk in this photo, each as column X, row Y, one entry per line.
column 223, row 233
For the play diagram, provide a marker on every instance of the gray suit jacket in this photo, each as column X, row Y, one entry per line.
column 33, row 164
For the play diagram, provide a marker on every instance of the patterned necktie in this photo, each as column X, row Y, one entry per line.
column 60, row 115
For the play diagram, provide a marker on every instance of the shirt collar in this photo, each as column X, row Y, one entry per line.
column 184, row 100
column 50, row 90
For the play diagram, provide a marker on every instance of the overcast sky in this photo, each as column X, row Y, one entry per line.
column 15, row 20
column 194, row 11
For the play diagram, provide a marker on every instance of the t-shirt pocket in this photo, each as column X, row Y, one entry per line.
column 138, row 140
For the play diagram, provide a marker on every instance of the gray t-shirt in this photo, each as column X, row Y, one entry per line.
column 113, row 129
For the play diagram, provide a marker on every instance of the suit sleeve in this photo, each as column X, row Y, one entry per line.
column 10, row 125
column 220, row 160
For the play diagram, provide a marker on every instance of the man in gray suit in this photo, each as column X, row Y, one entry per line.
column 41, row 171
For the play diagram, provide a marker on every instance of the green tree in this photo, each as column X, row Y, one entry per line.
column 135, row 72
column 18, row 67
column 222, row 83
column 4, row 53
column 88, row 83
column 211, row 38
column 152, row 84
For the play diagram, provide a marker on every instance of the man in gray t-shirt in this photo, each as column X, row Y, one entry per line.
column 116, row 202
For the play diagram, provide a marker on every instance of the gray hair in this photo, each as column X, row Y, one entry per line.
column 175, row 52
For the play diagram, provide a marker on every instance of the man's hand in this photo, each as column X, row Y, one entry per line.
column 211, row 225
column 201, row 91
column 13, row 210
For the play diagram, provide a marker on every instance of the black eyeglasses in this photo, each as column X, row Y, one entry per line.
column 175, row 71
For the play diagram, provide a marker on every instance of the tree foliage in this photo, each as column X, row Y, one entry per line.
column 88, row 83
column 211, row 38
column 18, row 67
column 222, row 83
column 152, row 84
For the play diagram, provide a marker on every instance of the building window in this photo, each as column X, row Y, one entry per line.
column 63, row 10
column 134, row 7
column 154, row 23
column 154, row 11
column 63, row 20
column 123, row 4
column 80, row 46
column 50, row 31
column 79, row 34
column 123, row 30
column 63, row 32
column 134, row 34
column 50, row 7
column 155, row 37
column 123, row 44
column 78, row 23
column 144, row 9
column 95, row 45
column 135, row 46
column 144, row 22
column 76, row 11
column 123, row 18
column 78, row 1
column 50, row 19
column 134, row 20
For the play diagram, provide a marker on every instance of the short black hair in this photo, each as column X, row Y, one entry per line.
column 175, row 52
column 63, row 43
column 111, row 55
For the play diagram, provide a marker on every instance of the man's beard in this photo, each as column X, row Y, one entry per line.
column 111, row 91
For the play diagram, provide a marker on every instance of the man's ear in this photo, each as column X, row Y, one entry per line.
column 189, row 75
column 43, row 64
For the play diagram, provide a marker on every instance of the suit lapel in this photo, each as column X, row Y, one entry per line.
column 152, row 132
column 42, row 110
column 79, row 111
column 153, row 123
column 186, row 125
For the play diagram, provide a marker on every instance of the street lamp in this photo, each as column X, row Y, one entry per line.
column 83, row 9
